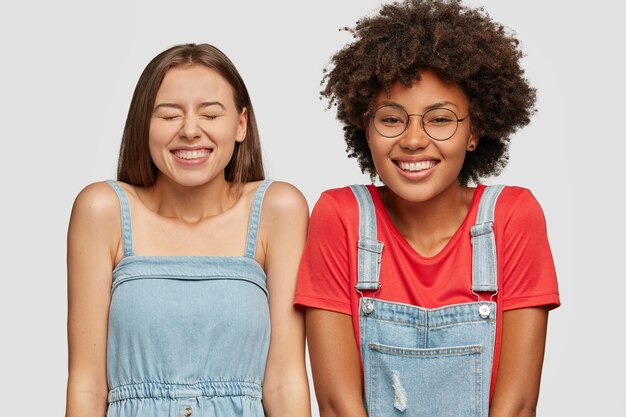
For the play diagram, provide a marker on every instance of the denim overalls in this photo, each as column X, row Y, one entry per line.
column 427, row 362
column 188, row 335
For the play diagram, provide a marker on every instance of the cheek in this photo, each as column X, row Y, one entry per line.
column 158, row 139
column 156, row 156
column 380, row 157
column 374, row 151
column 155, row 142
column 222, row 131
column 152, row 150
column 453, row 156
column 379, row 149
column 160, row 133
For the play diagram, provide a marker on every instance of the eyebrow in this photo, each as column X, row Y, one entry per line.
column 440, row 105
column 178, row 107
column 211, row 103
column 437, row 105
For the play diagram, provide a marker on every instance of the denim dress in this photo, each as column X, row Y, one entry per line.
column 188, row 335
column 427, row 362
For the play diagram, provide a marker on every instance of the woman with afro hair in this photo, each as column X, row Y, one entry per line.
column 428, row 295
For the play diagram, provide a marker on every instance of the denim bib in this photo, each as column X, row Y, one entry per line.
column 427, row 362
column 188, row 335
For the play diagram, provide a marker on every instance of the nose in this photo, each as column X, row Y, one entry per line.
column 414, row 137
column 191, row 129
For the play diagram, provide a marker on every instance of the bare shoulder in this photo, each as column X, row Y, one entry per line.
column 283, row 199
column 96, row 206
column 284, row 224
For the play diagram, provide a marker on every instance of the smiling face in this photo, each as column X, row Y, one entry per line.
column 194, row 126
column 412, row 165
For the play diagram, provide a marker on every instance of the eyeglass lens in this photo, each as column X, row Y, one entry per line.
column 391, row 121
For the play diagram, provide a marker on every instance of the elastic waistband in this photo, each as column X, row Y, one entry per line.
column 173, row 391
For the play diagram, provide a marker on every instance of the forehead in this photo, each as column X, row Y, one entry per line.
column 194, row 82
column 428, row 90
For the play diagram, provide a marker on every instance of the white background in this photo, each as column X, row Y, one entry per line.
column 68, row 69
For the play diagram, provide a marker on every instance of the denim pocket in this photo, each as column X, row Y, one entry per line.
column 399, row 386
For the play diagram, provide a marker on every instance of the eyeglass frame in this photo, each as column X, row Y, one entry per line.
column 371, row 114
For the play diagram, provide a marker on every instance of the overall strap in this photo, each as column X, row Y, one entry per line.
column 484, row 260
column 255, row 215
column 127, row 231
column 369, row 248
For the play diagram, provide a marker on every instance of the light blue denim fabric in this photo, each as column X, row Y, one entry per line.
column 188, row 335
column 427, row 362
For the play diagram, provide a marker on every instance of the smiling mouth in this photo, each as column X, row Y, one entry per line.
column 416, row 166
column 191, row 154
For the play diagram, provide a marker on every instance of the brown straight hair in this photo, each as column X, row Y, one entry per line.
column 135, row 166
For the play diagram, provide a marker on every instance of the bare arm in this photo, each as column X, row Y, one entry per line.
column 521, row 359
column 335, row 363
column 285, row 388
column 90, row 256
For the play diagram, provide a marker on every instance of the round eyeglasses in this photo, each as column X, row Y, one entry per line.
column 391, row 120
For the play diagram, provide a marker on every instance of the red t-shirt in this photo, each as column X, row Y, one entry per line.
column 328, row 270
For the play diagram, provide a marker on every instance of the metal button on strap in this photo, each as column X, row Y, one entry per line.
column 484, row 311
column 368, row 307
column 187, row 411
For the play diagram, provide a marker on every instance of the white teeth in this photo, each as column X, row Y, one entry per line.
column 416, row 166
column 195, row 154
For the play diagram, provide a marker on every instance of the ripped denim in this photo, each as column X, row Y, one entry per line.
column 421, row 362
column 427, row 362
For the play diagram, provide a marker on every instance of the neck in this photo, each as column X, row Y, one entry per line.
column 429, row 225
column 191, row 204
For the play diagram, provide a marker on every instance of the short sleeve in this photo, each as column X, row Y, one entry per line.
column 529, row 276
column 323, row 279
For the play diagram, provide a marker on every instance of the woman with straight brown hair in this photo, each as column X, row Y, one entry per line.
column 171, row 267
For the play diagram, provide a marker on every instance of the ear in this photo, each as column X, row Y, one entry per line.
column 472, row 141
column 242, row 125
